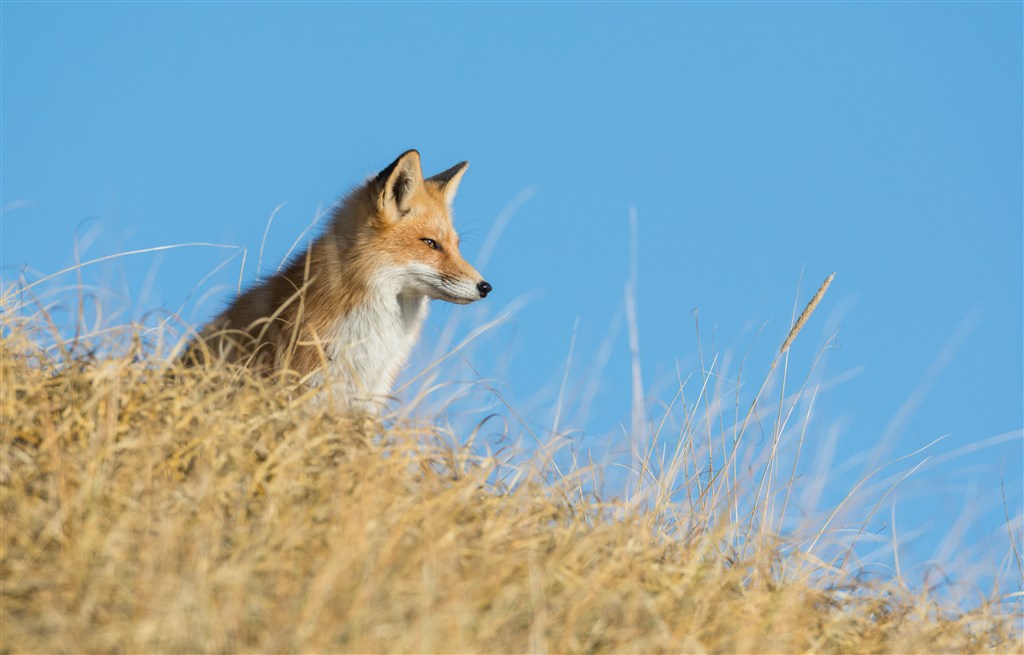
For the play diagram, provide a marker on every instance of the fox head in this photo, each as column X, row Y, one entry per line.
column 412, row 231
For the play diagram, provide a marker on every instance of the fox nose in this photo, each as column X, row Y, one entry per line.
column 484, row 288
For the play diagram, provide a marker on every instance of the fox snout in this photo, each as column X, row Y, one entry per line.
column 460, row 292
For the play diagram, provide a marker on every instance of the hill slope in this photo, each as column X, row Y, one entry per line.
column 151, row 510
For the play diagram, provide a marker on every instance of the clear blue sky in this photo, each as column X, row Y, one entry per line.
column 756, row 141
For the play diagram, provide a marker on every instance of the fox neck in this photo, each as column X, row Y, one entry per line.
column 413, row 310
column 372, row 341
column 378, row 319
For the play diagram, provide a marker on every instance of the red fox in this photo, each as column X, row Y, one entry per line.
column 347, row 312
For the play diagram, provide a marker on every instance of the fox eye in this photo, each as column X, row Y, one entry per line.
column 431, row 243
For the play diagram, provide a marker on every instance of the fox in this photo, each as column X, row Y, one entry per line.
column 347, row 312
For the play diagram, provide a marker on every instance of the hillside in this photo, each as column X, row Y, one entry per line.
column 149, row 509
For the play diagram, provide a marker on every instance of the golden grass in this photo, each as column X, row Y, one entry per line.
column 152, row 509
column 801, row 320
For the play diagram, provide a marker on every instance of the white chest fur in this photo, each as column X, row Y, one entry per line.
column 371, row 343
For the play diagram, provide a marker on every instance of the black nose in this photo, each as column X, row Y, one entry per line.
column 484, row 289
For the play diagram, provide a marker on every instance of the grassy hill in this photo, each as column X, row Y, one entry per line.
column 150, row 509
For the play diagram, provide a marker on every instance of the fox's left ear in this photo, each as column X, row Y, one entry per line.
column 396, row 184
column 448, row 181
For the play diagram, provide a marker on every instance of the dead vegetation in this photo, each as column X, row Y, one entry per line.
column 152, row 509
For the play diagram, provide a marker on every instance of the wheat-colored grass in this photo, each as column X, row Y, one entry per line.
column 147, row 508
column 801, row 320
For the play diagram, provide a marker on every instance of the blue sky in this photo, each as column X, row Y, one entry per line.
column 757, row 142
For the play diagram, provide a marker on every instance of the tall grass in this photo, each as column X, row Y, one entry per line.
column 149, row 508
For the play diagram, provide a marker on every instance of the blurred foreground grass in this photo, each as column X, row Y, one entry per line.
column 151, row 509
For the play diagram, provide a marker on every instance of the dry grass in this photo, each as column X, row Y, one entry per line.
column 149, row 509
column 806, row 314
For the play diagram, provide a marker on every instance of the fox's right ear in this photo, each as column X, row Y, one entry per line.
column 396, row 184
column 448, row 181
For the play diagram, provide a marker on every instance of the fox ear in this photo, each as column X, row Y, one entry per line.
column 396, row 184
column 448, row 181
